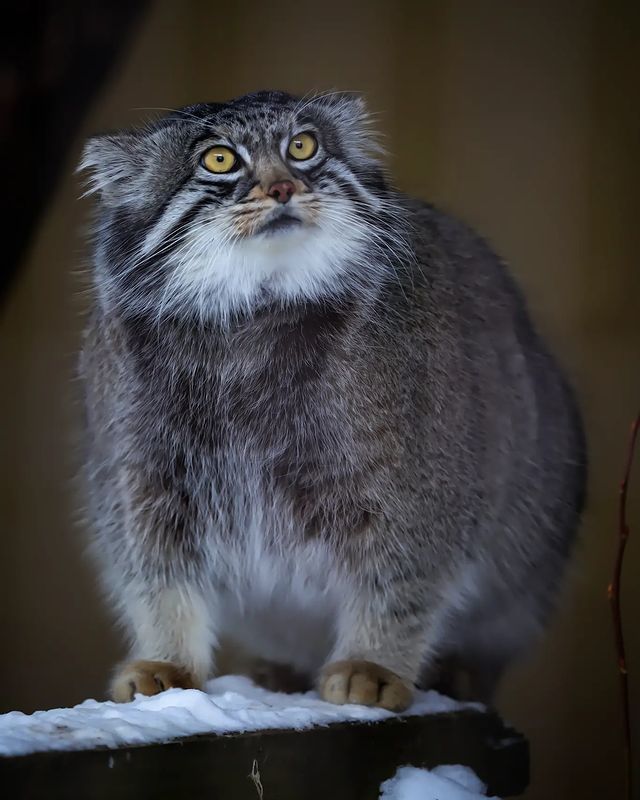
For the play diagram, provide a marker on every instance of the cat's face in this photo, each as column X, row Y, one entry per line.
column 219, row 208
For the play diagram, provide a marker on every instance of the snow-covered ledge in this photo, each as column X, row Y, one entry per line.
column 230, row 705
column 235, row 729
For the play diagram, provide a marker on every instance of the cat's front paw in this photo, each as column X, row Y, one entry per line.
column 364, row 683
column 148, row 677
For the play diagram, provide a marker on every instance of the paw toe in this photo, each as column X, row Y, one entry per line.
column 363, row 689
column 148, row 678
column 395, row 696
column 364, row 683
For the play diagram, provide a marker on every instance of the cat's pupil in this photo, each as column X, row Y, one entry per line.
column 298, row 144
column 219, row 159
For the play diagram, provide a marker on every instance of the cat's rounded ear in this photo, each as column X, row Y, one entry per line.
column 348, row 108
column 111, row 162
column 350, row 116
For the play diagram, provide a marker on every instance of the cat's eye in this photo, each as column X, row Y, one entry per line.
column 219, row 159
column 303, row 146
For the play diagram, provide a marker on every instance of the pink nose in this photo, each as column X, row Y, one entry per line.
column 282, row 191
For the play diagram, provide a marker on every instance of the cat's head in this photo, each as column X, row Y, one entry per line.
column 217, row 209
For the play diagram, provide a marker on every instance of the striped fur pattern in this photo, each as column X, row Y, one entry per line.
column 337, row 443
column 175, row 238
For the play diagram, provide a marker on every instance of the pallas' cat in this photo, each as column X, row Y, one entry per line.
column 322, row 433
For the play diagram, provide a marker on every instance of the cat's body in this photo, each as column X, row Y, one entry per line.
column 384, row 470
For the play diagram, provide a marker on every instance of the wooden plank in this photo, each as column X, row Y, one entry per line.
column 346, row 761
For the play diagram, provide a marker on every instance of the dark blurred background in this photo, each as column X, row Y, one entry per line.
column 522, row 118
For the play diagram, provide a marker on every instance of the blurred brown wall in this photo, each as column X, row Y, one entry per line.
column 520, row 117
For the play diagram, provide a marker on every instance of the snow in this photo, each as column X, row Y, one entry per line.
column 230, row 704
column 448, row 782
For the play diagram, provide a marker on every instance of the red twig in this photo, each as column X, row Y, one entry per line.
column 614, row 598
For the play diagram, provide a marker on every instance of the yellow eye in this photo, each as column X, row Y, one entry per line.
column 219, row 159
column 303, row 146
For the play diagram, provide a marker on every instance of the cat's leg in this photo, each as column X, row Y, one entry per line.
column 470, row 678
column 172, row 640
column 500, row 633
column 381, row 646
column 155, row 567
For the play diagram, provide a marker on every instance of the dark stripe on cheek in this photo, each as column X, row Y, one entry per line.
column 148, row 271
column 243, row 187
column 306, row 175
column 159, row 211
column 224, row 190
column 374, row 181
column 345, row 187
column 212, row 184
column 179, row 229
column 359, row 192
column 210, row 192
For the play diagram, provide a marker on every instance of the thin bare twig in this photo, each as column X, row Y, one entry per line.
column 616, row 611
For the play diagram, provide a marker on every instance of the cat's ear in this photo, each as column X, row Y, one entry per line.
column 349, row 113
column 111, row 163
column 348, row 107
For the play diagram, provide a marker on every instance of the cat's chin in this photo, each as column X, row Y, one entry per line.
column 282, row 224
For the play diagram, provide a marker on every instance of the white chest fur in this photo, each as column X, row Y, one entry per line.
column 281, row 602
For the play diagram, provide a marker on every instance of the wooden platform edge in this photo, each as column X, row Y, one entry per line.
column 344, row 761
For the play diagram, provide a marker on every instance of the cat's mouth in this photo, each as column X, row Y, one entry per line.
column 279, row 222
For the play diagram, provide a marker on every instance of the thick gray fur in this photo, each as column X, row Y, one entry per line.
column 381, row 462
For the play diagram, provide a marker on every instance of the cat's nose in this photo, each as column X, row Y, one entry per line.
column 282, row 191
